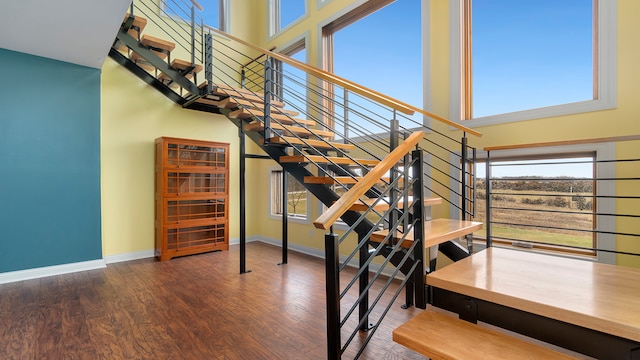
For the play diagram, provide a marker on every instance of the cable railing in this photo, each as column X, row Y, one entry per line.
column 592, row 213
column 314, row 113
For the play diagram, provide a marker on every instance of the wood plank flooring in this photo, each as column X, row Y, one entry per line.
column 194, row 307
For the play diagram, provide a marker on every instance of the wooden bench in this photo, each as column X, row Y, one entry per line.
column 440, row 336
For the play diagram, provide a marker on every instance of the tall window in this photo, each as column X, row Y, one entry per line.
column 540, row 201
column 297, row 198
column 283, row 13
column 292, row 82
column 521, row 60
column 378, row 45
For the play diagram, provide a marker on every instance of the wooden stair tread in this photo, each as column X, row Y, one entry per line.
column 437, row 231
column 226, row 90
column 204, row 100
column 384, row 205
column 152, row 41
column 284, row 119
column 181, row 65
column 318, row 144
column 300, row 131
column 303, row 159
column 137, row 25
column 440, row 336
column 257, row 104
column 138, row 60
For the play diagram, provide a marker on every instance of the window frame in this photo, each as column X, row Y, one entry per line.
column 274, row 21
column 606, row 204
column 296, row 218
column 605, row 70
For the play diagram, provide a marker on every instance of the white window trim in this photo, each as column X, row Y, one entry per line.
column 274, row 22
column 291, row 218
column 606, row 62
column 603, row 151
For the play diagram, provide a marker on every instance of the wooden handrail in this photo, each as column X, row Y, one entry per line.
column 350, row 85
column 359, row 89
column 564, row 142
column 343, row 204
column 197, row 5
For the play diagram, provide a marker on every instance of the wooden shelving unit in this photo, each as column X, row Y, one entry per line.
column 192, row 197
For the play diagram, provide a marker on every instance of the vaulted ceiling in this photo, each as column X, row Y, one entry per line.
column 76, row 31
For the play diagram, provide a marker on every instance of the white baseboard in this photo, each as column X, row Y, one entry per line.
column 50, row 271
column 319, row 253
column 145, row 254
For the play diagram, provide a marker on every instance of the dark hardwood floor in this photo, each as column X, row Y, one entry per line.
column 195, row 307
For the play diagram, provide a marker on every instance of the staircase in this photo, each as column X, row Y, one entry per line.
column 374, row 184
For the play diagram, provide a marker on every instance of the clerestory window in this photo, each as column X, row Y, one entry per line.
column 521, row 60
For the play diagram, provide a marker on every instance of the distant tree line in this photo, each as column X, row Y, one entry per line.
column 562, row 184
column 566, row 185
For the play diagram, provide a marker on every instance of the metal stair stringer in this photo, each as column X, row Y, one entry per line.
column 322, row 192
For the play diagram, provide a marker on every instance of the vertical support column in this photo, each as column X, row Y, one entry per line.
column 243, row 200
column 418, row 230
column 268, row 93
column 363, row 281
column 285, row 216
column 208, row 62
column 332, row 263
column 487, row 209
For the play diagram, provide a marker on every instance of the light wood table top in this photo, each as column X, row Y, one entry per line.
column 596, row 296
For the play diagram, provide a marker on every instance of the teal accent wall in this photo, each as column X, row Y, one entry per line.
column 49, row 162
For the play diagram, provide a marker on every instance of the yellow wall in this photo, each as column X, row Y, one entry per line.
column 127, row 198
column 133, row 116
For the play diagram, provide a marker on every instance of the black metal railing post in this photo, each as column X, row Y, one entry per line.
column 331, row 249
column 346, row 116
column 243, row 79
column 487, row 209
column 418, row 230
column 268, row 93
column 463, row 177
column 394, row 125
column 208, row 62
column 193, row 36
column 363, row 307
column 285, row 216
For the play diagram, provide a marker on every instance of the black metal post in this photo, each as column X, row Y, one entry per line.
column 393, row 173
column 243, row 78
column 243, row 200
column 487, row 194
column 363, row 282
column 131, row 11
column 463, row 180
column 285, row 216
column 418, row 230
column 346, row 115
column 268, row 92
column 333, row 295
column 193, row 35
column 209, row 62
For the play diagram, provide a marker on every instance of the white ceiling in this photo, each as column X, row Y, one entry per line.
column 76, row 31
